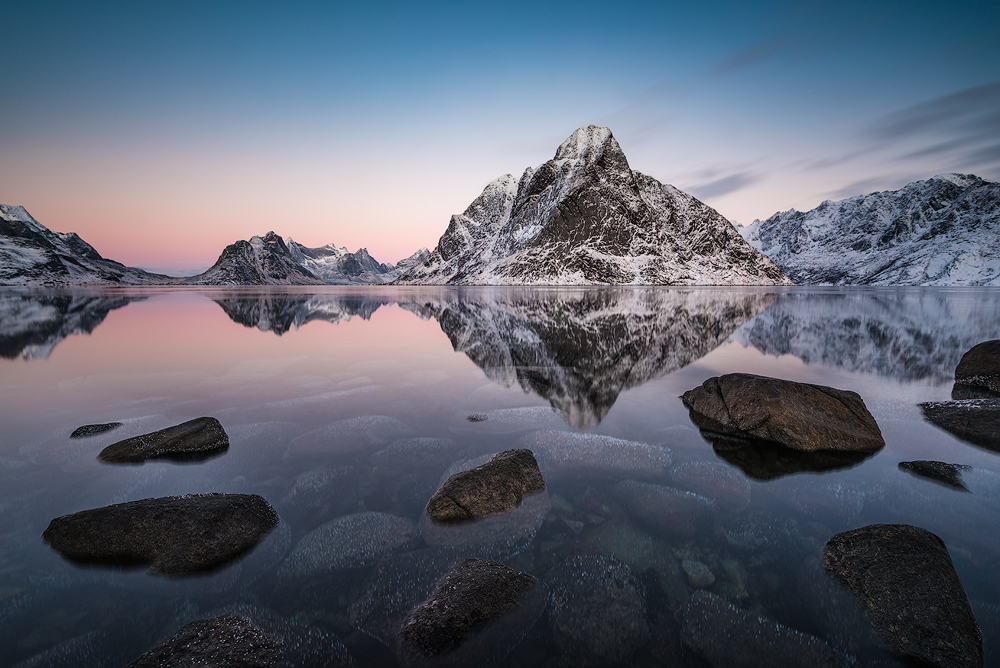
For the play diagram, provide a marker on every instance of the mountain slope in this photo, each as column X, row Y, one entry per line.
column 585, row 217
column 942, row 231
column 261, row 261
column 32, row 254
column 338, row 266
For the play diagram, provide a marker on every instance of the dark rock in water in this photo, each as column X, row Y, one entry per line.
column 949, row 474
column 175, row 535
column 94, row 429
column 762, row 460
column 477, row 417
column 728, row 637
column 305, row 646
column 353, row 541
column 715, row 481
column 472, row 596
column 904, row 579
column 975, row 421
column 496, row 487
column 796, row 415
column 196, row 439
column 229, row 640
column 597, row 609
column 666, row 510
column 978, row 372
column 595, row 455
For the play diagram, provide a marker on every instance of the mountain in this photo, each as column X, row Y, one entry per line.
column 261, row 261
column 338, row 266
column 585, row 217
column 32, row 254
column 277, row 313
column 942, row 231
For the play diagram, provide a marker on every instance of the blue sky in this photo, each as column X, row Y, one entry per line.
column 162, row 131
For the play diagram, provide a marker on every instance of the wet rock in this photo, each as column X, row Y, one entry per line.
column 978, row 373
column 668, row 511
column 762, row 460
column 715, row 481
column 762, row 535
column 229, row 640
column 975, row 421
column 510, row 420
column 699, row 575
column 904, row 579
column 796, row 415
column 477, row 417
column 194, row 440
column 305, row 646
column 94, row 429
column 594, row 455
column 353, row 541
column 597, row 609
column 480, row 598
column 727, row 637
column 174, row 535
column 350, row 435
column 949, row 474
column 496, row 487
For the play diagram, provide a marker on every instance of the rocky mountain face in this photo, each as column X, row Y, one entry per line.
column 585, row 217
column 32, row 254
column 942, row 231
column 338, row 266
column 261, row 261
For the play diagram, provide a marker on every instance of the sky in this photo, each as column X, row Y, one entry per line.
column 161, row 132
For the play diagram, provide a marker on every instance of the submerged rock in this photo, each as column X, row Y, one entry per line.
column 509, row 420
column 796, row 415
column 496, row 487
column 668, row 511
column 94, row 429
column 716, row 481
column 421, row 452
column 975, row 421
column 978, row 372
column 350, row 435
column 353, row 541
column 472, row 597
column 597, row 609
column 195, row 439
column 594, row 455
column 949, row 474
column 174, row 535
column 229, row 640
column 904, row 579
column 727, row 637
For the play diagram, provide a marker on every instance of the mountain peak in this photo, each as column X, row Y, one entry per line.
column 587, row 144
column 962, row 180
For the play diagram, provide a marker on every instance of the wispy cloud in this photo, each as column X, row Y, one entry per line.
column 724, row 185
column 757, row 53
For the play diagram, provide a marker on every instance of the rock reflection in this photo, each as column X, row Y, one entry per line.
column 764, row 461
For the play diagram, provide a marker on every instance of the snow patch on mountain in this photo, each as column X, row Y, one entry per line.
column 260, row 261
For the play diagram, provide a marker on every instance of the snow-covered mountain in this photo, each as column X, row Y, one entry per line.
column 338, row 266
column 32, row 254
column 261, row 261
column 942, row 231
column 585, row 217
column 275, row 312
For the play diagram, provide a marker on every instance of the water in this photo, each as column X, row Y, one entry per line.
column 343, row 401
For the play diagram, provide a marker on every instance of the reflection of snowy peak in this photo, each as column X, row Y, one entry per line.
column 280, row 312
column 260, row 261
column 335, row 265
column 32, row 254
column 902, row 334
column 942, row 231
column 585, row 217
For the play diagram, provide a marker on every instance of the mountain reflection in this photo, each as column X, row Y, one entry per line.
column 277, row 312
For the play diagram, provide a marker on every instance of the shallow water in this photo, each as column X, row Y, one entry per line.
column 348, row 400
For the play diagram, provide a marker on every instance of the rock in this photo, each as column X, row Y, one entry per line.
column 975, row 421
column 196, row 439
column 229, row 640
column 979, row 369
column 699, row 575
column 496, row 487
column 474, row 596
column 420, row 452
column 796, row 415
column 597, row 610
column 668, row 511
column 174, row 535
column 94, row 429
column 727, row 637
column 949, row 474
column 306, row 646
column 350, row 435
column 323, row 491
column 353, row 541
column 594, row 455
column 716, row 481
column 904, row 579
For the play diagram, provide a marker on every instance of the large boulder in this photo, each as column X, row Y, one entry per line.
column 978, row 372
column 476, row 614
column 727, row 637
column 796, row 415
column 173, row 535
column 906, row 583
column 496, row 487
column 195, row 439
column 229, row 640
column 975, row 421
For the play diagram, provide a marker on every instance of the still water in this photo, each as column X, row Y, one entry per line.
column 345, row 401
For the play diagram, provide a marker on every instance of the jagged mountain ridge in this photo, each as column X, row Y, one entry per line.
column 279, row 313
column 338, row 266
column 32, row 254
column 585, row 217
column 261, row 261
column 943, row 231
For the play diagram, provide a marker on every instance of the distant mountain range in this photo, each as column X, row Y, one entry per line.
column 585, row 217
column 942, row 231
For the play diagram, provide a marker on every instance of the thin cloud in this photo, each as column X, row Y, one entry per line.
column 724, row 186
column 756, row 54
column 972, row 110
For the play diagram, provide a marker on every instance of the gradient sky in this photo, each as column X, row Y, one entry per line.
column 163, row 131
